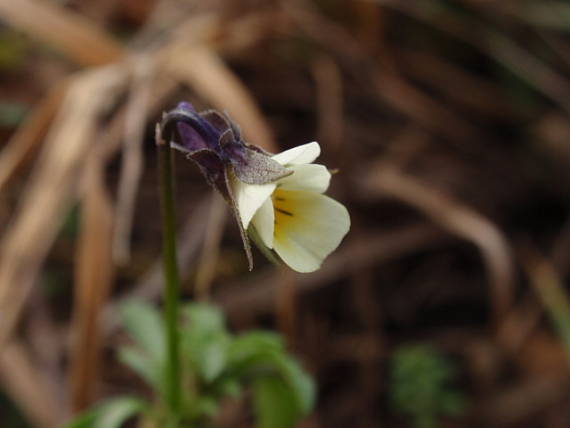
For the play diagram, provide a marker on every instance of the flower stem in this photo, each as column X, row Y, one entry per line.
column 172, row 286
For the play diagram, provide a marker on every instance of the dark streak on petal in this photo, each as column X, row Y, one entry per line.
column 284, row 212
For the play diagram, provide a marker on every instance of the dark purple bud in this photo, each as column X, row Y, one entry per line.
column 189, row 129
column 211, row 131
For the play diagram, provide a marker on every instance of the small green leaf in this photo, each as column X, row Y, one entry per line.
column 205, row 340
column 117, row 411
column 205, row 318
column 260, row 353
column 145, row 326
column 275, row 404
column 144, row 366
column 274, row 363
column 421, row 385
column 207, row 352
column 84, row 420
column 300, row 383
column 252, row 344
column 109, row 414
column 213, row 358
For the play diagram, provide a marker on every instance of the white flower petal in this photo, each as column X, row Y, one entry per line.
column 308, row 227
column 249, row 198
column 264, row 222
column 306, row 153
column 311, row 178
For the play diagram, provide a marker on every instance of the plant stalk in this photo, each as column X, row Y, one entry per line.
column 172, row 283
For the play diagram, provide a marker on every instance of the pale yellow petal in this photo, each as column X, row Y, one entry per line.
column 306, row 153
column 311, row 178
column 264, row 222
column 249, row 198
column 308, row 227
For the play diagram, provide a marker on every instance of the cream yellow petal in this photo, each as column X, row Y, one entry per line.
column 249, row 198
column 264, row 222
column 310, row 177
column 308, row 227
column 306, row 153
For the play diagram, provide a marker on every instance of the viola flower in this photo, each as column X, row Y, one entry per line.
column 278, row 199
column 291, row 216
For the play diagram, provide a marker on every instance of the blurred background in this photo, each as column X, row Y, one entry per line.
column 446, row 305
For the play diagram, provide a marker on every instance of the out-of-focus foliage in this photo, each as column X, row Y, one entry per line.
column 110, row 414
column 420, row 385
column 13, row 50
column 11, row 114
column 215, row 365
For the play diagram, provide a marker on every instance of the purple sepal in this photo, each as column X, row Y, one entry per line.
column 211, row 131
column 189, row 129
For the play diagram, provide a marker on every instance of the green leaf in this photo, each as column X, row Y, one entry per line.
column 205, row 318
column 252, row 344
column 205, row 340
column 262, row 354
column 213, row 359
column 145, row 326
column 117, row 411
column 84, row 420
column 300, row 383
column 144, row 366
column 109, row 414
column 207, row 352
column 275, row 404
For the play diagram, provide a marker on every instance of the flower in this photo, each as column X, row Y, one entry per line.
column 291, row 215
column 276, row 198
column 214, row 142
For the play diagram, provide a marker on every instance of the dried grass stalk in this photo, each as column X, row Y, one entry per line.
column 51, row 190
column 29, row 135
column 132, row 160
column 29, row 387
column 458, row 219
column 77, row 37
column 203, row 70
column 93, row 281
column 330, row 105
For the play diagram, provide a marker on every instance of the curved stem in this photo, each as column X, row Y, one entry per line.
column 172, row 285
